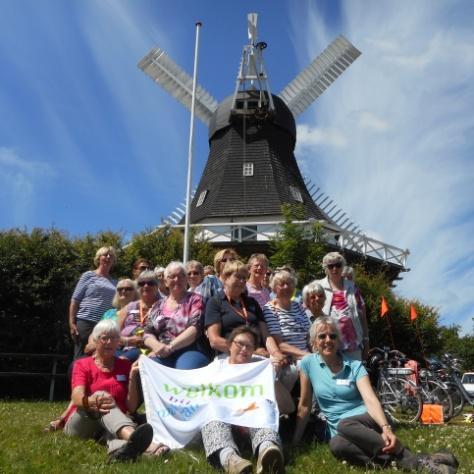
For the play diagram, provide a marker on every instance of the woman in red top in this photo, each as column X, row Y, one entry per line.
column 103, row 390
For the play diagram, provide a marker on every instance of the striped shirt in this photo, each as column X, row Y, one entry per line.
column 292, row 325
column 94, row 293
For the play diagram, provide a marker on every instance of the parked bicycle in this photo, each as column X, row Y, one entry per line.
column 449, row 371
column 400, row 397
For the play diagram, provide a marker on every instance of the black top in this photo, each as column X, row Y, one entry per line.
column 219, row 310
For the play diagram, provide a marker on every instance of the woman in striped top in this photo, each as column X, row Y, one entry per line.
column 92, row 296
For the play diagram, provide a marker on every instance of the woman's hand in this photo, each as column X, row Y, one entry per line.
column 73, row 330
column 102, row 402
column 136, row 341
column 389, row 439
column 261, row 352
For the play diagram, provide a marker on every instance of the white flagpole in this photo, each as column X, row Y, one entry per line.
column 190, row 151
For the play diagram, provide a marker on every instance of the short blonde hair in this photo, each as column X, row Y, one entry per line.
column 280, row 276
column 220, row 255
column 333, row 257
column 132, row 284
column 234, row 267
column 258, row 256
column 310, row 289
column 325, row 321
column 105, row 251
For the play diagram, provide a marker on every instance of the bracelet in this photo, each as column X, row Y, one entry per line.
column 85, row 402
column 386, row 425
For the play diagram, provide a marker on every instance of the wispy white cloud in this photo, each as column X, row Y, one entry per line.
column 318, row 136
column 405, row 110
column 21, row 181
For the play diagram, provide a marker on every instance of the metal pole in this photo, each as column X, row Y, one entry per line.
column 190, row 150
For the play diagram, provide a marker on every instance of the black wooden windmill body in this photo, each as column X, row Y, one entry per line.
column 251, row 170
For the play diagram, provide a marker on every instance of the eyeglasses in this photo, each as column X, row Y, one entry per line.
column 323, row 336
column 142, row 268
column 242, row 345
column 146, row 282
column 227, row 259
column 193, row 273
column 334, row 265
column 105, row 338
column 124, row 288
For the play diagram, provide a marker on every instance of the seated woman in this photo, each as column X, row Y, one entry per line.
column 102, row 393
column 314, row 298
column 174, row 329
column 133, row 318
column 232, row 308
column 288, row 323
column 195, row 274
column 359, row 431
column 221, row 449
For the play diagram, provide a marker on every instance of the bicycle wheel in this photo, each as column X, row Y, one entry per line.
column 457, row 398
column 435, row 393
column 401, row 399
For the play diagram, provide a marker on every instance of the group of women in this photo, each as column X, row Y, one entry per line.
column 239, row 315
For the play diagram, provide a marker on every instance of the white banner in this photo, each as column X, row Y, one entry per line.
column 179, row 402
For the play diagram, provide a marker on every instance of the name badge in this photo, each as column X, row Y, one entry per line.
column 121, row 378
column 345, row 382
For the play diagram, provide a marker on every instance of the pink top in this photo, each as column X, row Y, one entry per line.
column 165, row 323
column 262, row 296
column 87, row 374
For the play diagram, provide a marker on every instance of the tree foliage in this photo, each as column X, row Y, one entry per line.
column 301, row 247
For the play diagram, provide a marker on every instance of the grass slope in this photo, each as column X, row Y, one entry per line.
column 25, row 448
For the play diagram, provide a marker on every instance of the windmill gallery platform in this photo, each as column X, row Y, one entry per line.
column 251, row 171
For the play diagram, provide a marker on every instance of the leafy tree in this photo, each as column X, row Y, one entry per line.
column 301, row 247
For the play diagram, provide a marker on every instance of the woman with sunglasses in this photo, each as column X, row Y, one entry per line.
column 140, row 265
column 359, row 431
column 133, row 318
column 174, row 329
column 218, row 437
column 345, row 304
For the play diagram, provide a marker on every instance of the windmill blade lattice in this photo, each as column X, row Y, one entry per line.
column 312, row 81
column 165, row 72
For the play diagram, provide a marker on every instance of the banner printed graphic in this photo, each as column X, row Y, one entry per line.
column 179, row 402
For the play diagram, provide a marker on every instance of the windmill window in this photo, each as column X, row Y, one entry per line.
column 248, row 169
column 296, row 193
column 202, row 196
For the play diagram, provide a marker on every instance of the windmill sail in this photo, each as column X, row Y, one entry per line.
column 310, row 83
column 165, row 72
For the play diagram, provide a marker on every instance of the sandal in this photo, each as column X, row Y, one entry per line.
column 156, row 450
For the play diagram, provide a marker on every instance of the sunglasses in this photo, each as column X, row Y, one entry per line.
column 229, row 259
column 194, row 273
column 143, row 268
column 146, row 282
column 334, row 265
column 323, row 336
column 124, row 288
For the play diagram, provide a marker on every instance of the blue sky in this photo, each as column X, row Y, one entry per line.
column 88, row 142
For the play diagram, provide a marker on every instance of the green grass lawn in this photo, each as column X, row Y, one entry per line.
column 25, row 448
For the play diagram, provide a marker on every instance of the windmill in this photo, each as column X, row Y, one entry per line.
column 251, row 170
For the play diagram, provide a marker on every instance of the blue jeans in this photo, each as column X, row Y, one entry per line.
column 184, row 359
column 131, row 354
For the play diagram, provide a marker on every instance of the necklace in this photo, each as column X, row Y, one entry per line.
column 243, row 314
column 101, row 365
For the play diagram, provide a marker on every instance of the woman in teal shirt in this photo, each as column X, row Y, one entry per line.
column 359, row 431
